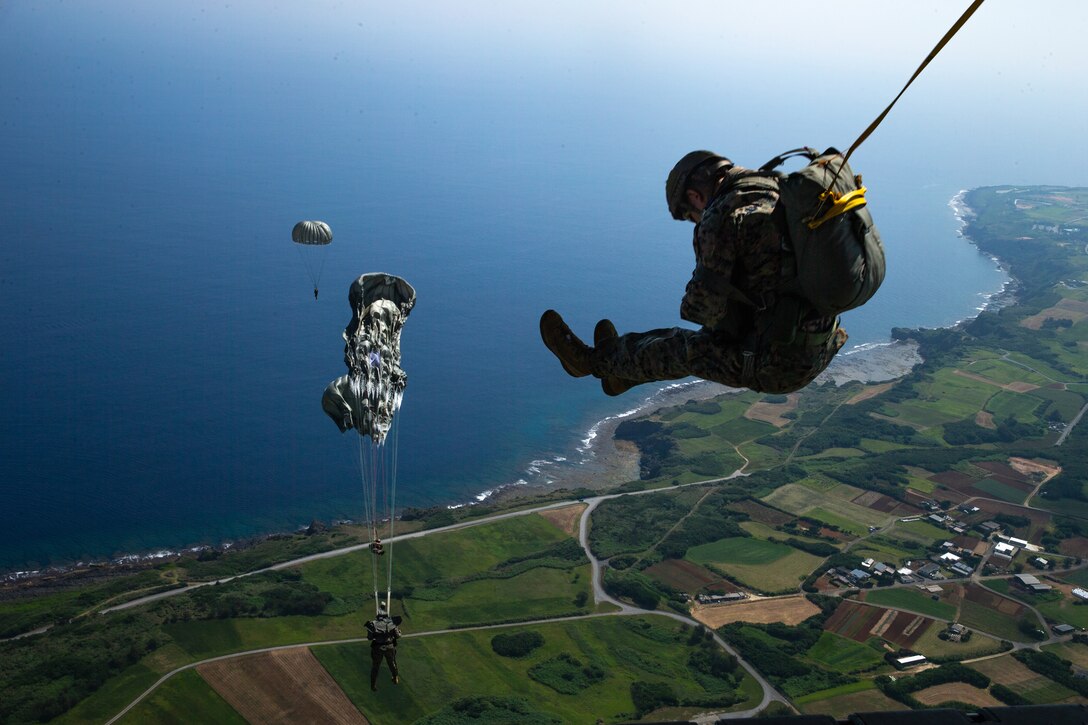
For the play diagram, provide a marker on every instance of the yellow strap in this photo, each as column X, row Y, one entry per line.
column 841, row 205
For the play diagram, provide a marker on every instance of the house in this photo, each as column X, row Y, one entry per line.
column 1005, row 551
column 948, row 558
column 882, row 569
column 867, row 564
column 989, row 527
column 936, row 519
column 961, row 569
column 957, row 632
column 930, row 571
column 859, row 576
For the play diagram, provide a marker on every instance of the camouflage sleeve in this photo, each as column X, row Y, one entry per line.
column 706, row 295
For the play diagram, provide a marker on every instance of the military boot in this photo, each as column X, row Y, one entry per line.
column 575, row 356
column 603, row 332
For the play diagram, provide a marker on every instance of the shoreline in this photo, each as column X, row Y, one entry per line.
column 606, row 462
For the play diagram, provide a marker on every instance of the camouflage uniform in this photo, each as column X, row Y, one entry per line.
column 738, row 248
column 382, row 646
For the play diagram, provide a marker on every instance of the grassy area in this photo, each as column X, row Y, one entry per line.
column 113, row 696
column 1075, row 653
column 1014, row 405
column 762, row 565
column 912, row 600
column 436, row 670
column 977, row 616
column 843, row 655
column 843, row 523
column 934, row 647
column 839, row 706
column 763, row 531
column 800, row 499
column 920, row 531
column 1000, row 490
column 1035, row 687
column 859, row 686
column 178, row 700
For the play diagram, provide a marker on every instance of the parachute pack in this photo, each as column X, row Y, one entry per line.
column 382, row 631
column 838, row 258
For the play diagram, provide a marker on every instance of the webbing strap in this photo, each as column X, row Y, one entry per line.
column 839, row 205
column 932, row 54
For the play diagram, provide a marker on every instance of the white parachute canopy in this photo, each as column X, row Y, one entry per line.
column 369, row 396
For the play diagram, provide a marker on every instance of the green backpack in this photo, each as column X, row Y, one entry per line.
column 838, row 259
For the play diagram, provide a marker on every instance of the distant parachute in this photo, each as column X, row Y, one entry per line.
column 368, row 398
column 317, row 236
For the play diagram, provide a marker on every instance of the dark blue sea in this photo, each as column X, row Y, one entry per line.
column 163, row 357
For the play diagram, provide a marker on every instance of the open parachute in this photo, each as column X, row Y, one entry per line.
column 312, row 239
column 367, row 400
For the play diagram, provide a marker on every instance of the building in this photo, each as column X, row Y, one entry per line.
column 930, row 571
column 1063, row 629
column 1004, row 550
column 961, row 569
column 1040, row 563
column 1080, row 593
column 912, row 660
column 1031, row 583
column 859, row 576
column 989, row 527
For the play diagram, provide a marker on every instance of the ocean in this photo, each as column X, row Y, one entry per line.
column 163, row 354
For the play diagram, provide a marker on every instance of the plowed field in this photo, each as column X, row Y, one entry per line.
column 285, row 686
column 956, row 691
column 788, row 610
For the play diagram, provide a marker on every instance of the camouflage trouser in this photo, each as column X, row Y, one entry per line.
column 377, row 654
column 673, row 353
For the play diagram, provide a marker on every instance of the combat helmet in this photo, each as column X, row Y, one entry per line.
column 677, row 183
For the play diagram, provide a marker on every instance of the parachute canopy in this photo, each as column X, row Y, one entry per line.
column 314, row 232
column 368, row 397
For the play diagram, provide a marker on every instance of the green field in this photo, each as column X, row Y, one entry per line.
column 1000, row 490
column 748, row 560
column 843, row 655
column 1003, row 372
column 179, row 700
column 839, row 706
column 992, row 622
column 435, row 670
column 859, row 686
column 740, row 430
column 921, row 531
column 799, row 499
column 1015, row 405
column 844, row 524
column 763, row 531
column 912, row 600
column 932, row 646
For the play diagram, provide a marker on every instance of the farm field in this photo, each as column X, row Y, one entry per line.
column 748, row 560
column 841, row 705
column 281, row 686
column 921, row 531
column 687, row 576
column 762, row 531
column 437, row 670
column 1075, row 653
column 175, row 701
column 956, row 692
column 799, row 499
column 788, row 610
column 911, row 599
column 843, row 655
column 932, row 646
column 990, row 621
column 1009, row 672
